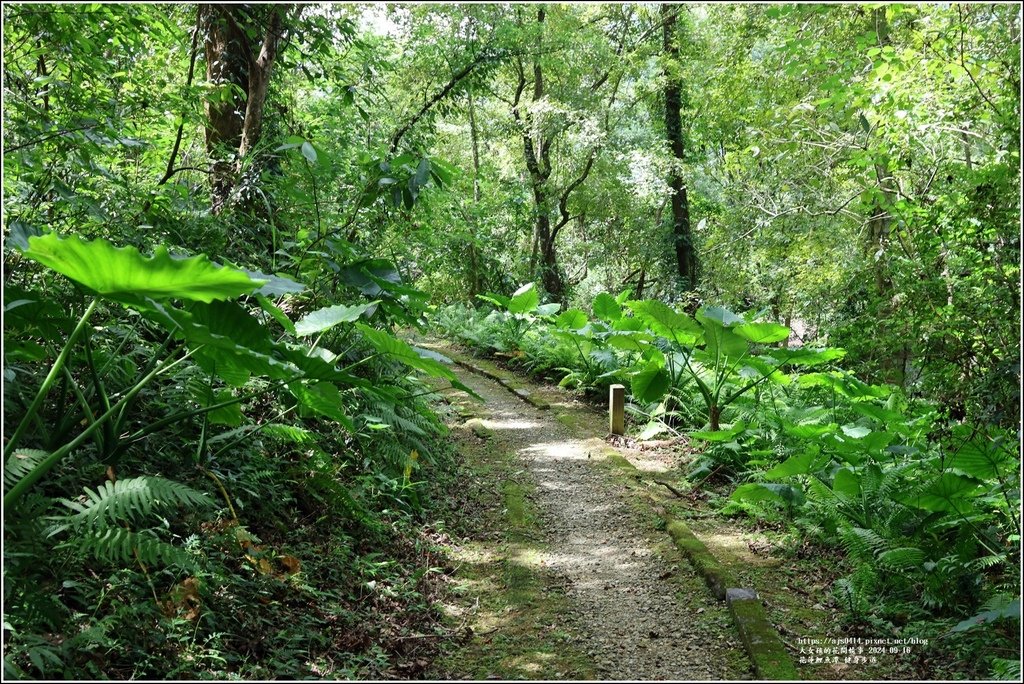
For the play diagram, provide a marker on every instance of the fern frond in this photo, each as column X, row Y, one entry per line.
column 986, row 562
column 117, row 544
column 904, row 558
column 20, row 464
column 129, row 500
column 290, row 433
column 862, row 543
column 1004, row 668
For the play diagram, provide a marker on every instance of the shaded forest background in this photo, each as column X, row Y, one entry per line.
column 851, row 172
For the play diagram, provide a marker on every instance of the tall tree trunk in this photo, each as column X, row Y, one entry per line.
column 536, row 151
column 235, row 120
column 686, row 256
column 894, row 361
column 226, row 66
column 475, row 286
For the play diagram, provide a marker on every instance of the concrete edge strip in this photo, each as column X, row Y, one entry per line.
column 760, row 639
column 506, row 382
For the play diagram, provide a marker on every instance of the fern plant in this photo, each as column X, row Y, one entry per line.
column 100, row 520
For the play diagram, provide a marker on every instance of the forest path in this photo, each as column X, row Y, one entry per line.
column 587, row 586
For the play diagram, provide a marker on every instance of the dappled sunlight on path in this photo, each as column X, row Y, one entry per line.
column 636, row 613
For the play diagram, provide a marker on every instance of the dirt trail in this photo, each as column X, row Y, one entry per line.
column 636, row 609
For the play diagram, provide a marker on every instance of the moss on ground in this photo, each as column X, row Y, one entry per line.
column 512, row 605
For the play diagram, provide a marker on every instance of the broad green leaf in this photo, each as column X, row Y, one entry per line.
column 719, row 315
column 855, row 431
column 230, row 415
column 500, row 301
column 628, row 324
column 275, row 285
column 720, row 435
column 755, row 492
column 877, row 412
column 431, row 354
column 328, row 317
column 650, row 384
column 606, row 308
column 276, row 313
column 308, row 152
column 846, row 483
column 762, row 333
column 803, row 356
column 980, row 460
column 1010, row 608
column 323, row 398
column 628, row 341
column 370, row 276
column 232, row 344
column 808, row 431
column 801, row 464
column 665, row 322
column 948, row 492
column 391, row 346
column 755, row 366
column 571, row 319
column 524, row 300
column 395, row 348
column 844, row 384
column 877, row 441
column 722, row 344
column 124, row 275
column 548, row 309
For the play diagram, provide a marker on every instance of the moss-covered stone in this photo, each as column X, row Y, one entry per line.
column 715, row 575
column 767, row 653
column 615, row 460
column 479, row 429
column 537, row 401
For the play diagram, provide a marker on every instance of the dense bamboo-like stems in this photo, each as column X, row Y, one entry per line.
column 44, row 466
column 51, row 377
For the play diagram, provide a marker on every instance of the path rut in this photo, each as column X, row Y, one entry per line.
column 639, row 611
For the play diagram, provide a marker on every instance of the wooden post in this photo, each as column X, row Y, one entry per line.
column 617, row 409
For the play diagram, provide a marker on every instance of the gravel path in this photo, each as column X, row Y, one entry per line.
column 637, row 614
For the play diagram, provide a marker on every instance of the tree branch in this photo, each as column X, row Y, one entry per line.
column 181, row 125
column 563, row 201
column 438, row 96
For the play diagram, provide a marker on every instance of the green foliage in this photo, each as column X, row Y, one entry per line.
column 124, row 275
column 852, row 176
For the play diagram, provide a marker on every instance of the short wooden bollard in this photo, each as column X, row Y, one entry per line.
column 617, row 409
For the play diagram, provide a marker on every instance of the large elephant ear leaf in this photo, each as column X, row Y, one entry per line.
column 524, row 300
column 762, row 333
column 606, row 308
column 665, row 322
column 125, row 275
column 651, row 383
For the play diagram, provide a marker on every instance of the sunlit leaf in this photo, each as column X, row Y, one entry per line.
column 125, row 275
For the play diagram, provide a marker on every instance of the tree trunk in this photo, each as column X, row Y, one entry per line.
column 235, row 119
column 475, row 285
column 536, row 151
column 259, row 80
column 879, row 224
column 686, row 257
